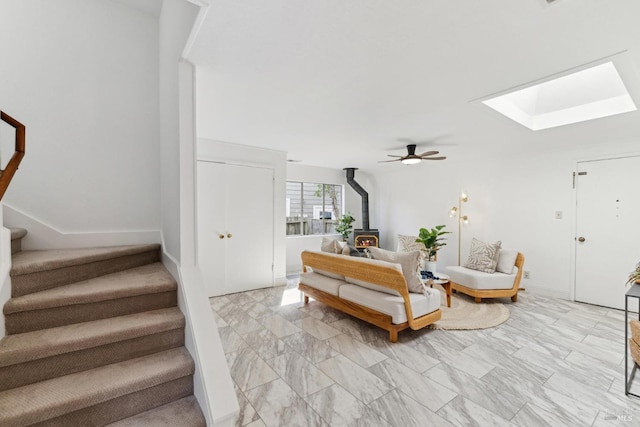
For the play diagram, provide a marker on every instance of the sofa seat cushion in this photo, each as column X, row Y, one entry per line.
column 321, row 282
column 328, row 274
column 475, row 279
column 391, row 305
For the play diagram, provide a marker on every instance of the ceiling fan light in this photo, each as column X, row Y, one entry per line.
column 411, row 161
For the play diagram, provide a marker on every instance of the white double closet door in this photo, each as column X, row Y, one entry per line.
column 235, row 226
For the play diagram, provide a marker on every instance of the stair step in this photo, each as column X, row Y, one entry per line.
column 145, row 288
column 16, row 239
column 101, row 395
column 34, row 271
column 183, row 412
column 40, row 355
column 17, row 233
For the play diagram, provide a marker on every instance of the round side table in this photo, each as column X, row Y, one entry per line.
column 442, row 280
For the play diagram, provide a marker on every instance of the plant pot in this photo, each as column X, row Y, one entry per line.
column 429, row 266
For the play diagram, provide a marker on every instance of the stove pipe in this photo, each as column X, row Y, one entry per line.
column 362, row 193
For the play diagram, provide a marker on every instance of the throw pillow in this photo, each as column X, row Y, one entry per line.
column 506, row 260
column 350, row 251
column 410, row 262
column 483, row 256
column 330, row 245
column 409, row 244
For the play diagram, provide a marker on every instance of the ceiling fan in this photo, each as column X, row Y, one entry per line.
column 439, row 140
column 412, row 158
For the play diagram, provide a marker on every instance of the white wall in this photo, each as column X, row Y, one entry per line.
column 83, row 77
column 353, row 204
column 512, row 197
column 242, row 154
column 44, row 236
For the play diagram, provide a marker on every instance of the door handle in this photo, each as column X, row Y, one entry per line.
column 229, row 235
column 581, row 239
column 221, row 236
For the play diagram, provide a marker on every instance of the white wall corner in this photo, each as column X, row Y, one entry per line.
column 213, row 387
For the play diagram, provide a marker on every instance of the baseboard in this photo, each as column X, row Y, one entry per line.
column 294, row 269
column 547, row 292
column 44, row 236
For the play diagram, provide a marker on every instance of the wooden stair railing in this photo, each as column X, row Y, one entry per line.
column 6, row 175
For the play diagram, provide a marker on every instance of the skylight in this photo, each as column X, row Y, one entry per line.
column 588, row 94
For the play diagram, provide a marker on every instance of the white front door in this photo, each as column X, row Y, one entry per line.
column 607, row 229
column 235, row 227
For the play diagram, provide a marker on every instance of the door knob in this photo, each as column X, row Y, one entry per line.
column 581, row 239
column 221, row 236
column 229, row 235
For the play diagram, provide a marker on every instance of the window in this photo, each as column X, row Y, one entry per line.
column 312, row 208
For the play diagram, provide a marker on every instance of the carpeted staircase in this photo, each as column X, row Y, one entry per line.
column 94, row 337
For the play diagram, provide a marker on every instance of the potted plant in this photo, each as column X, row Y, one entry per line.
column 634, row 276
column 432, row 240
column 344, row 226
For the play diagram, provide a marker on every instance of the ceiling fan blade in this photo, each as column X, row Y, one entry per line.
column 434, row 158
column 386, row 161
column 429, row 153
column 393, row 155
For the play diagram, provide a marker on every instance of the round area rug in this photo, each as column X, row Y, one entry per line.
column 464, row 313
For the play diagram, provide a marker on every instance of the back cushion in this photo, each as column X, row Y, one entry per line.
column 410, row 263
column 506, row 260
column 330, row 245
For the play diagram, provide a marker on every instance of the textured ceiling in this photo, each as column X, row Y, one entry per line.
column 336, row 83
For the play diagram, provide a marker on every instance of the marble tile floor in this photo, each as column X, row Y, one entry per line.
column 553, row 363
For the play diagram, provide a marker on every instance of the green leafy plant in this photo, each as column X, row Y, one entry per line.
column 432, row 240
column 344, row 226
column 634, row 276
